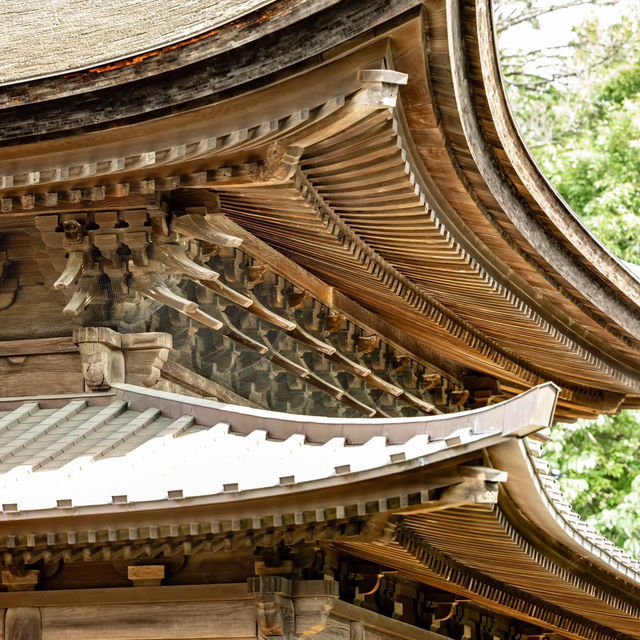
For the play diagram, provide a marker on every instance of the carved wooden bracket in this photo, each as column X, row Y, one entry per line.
column 109, row 357
column 25, row 581
column 292, row 609
column 101, row 356
column 117, row 267
column 144, row 355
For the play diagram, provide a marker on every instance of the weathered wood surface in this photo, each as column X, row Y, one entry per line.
column 558, row 256
column 37, row 346
column 114, row 623
column 70, row 598
column 117, row 27
column 40, row 374
column 178, row 379
column 160, row 93
column 369, row 181
column 22, row 623
column 188, row 621
column 141, row 622
column 378, row 625
column 529, row 172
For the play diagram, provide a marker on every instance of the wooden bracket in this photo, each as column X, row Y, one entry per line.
column 109, row 357
column 292, row 609
column 26, row 581
column 146, row 575
column 479, row 486
column 101, row 356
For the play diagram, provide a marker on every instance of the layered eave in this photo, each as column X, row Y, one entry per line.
column 436, row 499
column 413, row 195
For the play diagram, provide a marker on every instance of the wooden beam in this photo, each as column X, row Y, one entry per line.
column 330, row 297
column 37, row 346
column 25, row 581
column 127, row 595
column 376, row 622
column 146, row 575
column 181, row 621
column 71, row 205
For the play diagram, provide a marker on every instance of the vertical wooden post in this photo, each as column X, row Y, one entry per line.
column 22, row 623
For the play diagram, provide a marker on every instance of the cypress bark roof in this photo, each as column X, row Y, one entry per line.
column 41, row 39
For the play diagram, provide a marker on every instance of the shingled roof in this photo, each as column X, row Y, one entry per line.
column 136, row 445
column 46, row 38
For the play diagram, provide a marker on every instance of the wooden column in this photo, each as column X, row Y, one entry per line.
column 22, row 623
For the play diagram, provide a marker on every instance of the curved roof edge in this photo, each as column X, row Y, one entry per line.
column 537, row 495
column 143, row 463
column 152, row 427
column 520, row 415
column 257, row 451
column 603, row 262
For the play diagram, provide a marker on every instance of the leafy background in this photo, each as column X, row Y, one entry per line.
column 577, row 103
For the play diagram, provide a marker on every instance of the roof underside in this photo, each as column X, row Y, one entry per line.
column 424, row 191
column 360, row 154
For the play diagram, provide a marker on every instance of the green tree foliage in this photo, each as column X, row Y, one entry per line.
column 599, row 470
column 578, row 107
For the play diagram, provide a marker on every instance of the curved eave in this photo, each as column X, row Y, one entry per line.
column 528, row 555
column 420, row 476
column 536, row 494
column 537, row 311
column 342, row 453
column 598, row 275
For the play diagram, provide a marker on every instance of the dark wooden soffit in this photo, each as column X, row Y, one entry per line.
column 483, row 293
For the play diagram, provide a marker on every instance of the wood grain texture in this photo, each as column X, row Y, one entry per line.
column 414, row 212
column 139, row 26
column 22, row 623
column 46, row 374
column 180, row 621
column 64, row 598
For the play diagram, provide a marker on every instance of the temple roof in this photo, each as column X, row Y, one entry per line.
column 138, row 446
column 47, row 38
column 391, row 175
column 124, row 471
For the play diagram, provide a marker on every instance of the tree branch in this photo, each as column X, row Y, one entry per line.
column 514, row 19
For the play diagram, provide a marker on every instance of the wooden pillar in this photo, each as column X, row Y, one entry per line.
column 22, row 623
